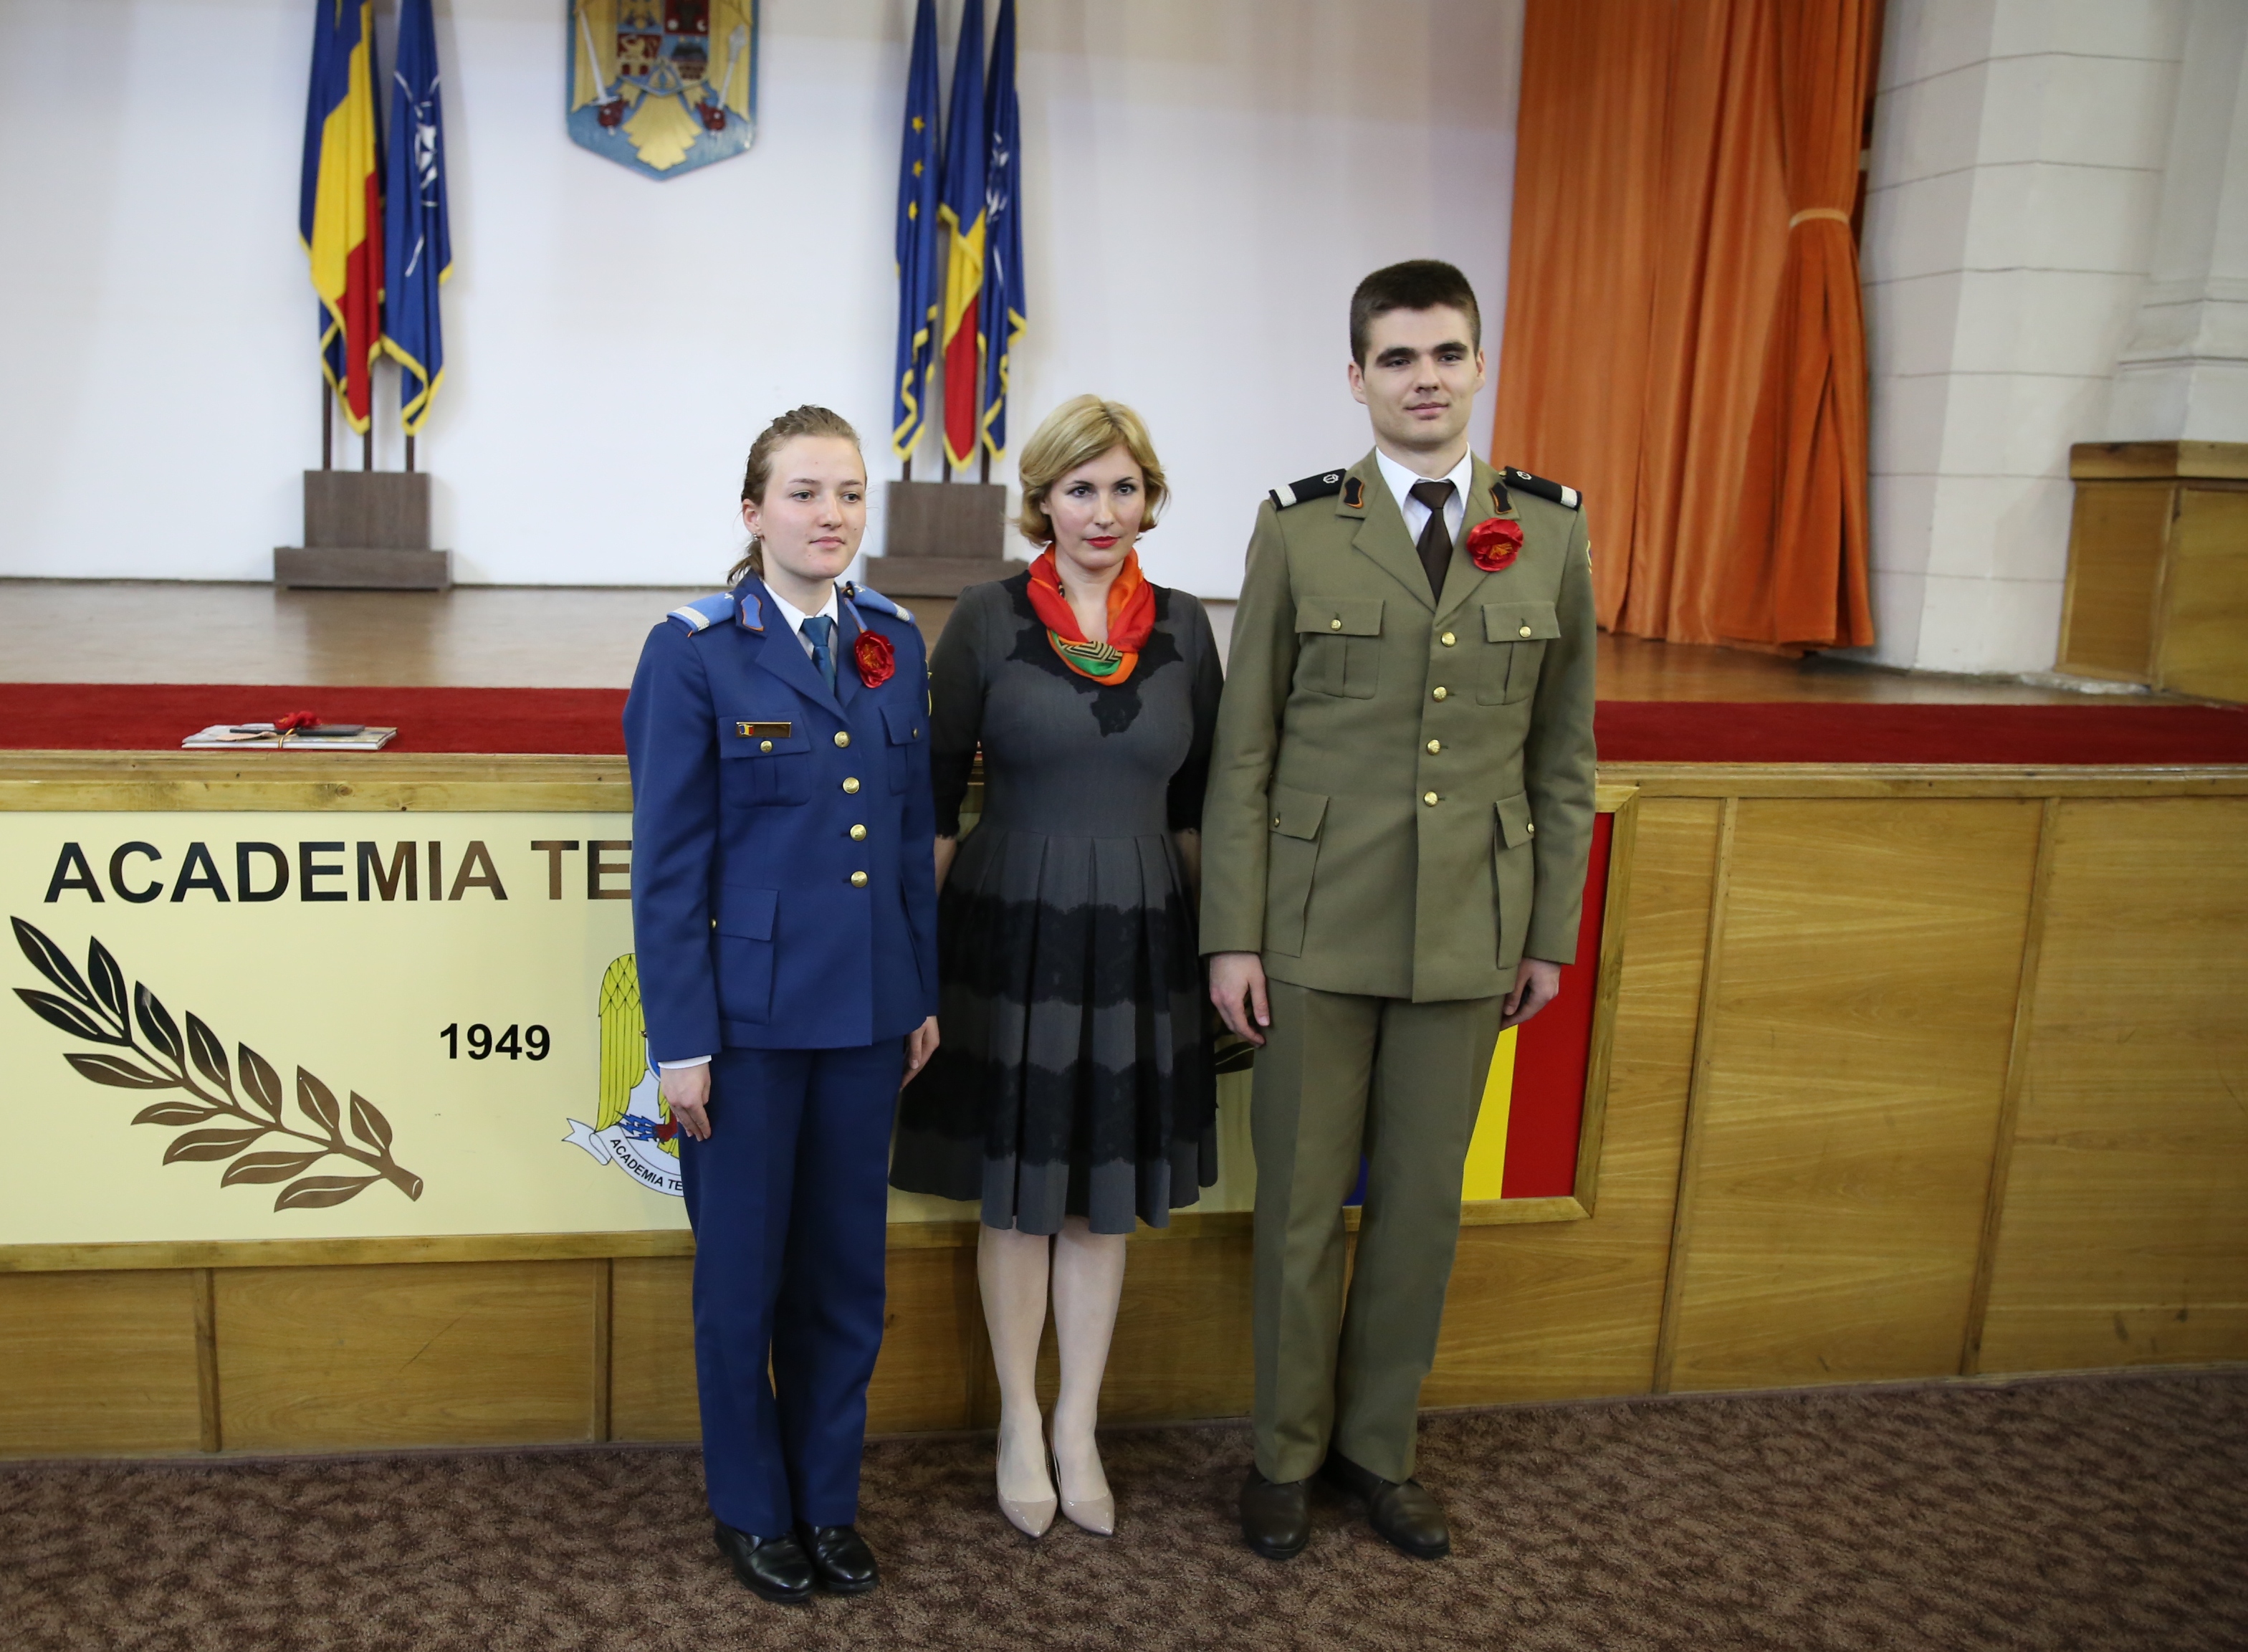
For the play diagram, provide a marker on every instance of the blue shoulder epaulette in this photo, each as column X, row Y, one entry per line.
column 705, row 611
column 1324, row 485
column 1569, row 498
column 868, row 597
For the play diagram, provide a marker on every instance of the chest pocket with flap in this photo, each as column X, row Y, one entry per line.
column 1338, row 646
column 907, row 729
column 765, row 761
column 1515, row 635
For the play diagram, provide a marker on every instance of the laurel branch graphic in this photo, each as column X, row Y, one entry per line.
column 101, row 1012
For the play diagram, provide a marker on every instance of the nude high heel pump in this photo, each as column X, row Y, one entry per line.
column 1096, row 1515
column 1030, row 1516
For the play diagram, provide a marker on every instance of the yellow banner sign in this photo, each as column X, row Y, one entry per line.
column 229, row 1025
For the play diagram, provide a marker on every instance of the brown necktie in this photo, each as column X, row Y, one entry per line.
column 1435, row 542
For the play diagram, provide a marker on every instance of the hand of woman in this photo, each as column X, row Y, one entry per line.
column 920, row 1044
column 688, row 1090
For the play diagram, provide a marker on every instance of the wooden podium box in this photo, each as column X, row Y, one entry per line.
column 364, row 531
column 941, row 538
column 2158, row 566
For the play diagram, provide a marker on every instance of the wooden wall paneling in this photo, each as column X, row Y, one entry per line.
column 2124, row 1236
column 2001, row 1148
column 1615, row 924
column 652, row 1349
column 2203, row 639
column 1689, row 1142
column 96, row 1364
column 604, row 1297
column 211, row 1437
column 1856, row 1041
column 2109, row 604
column 934, row 1352
column 434, row 1353
column 1182, row 1346
column 1563, row 1310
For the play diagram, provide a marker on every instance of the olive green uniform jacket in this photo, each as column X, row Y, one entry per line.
column 1400, row 798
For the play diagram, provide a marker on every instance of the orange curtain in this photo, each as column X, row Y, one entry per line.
column 1801, row 578
column 1651, row 257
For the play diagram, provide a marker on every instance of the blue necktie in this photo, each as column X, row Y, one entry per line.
column 819, row 630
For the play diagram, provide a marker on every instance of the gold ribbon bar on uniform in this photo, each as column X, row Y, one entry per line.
column 766, row 730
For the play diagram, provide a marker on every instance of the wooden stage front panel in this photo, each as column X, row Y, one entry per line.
column 1913, row 1073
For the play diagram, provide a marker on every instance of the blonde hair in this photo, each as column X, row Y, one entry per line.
column 806, row 421
column 1076, row 433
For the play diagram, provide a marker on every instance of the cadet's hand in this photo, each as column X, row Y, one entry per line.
column 688, row 1090
column 920, row 1044
column 1237, row 987
column 1535, row 985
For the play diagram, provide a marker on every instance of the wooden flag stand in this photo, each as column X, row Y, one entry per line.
column 365, row 530
column 939, row 538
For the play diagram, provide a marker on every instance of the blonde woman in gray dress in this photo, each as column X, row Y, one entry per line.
column 1072, row 1094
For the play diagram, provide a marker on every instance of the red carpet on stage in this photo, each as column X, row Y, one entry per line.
column 113, row 716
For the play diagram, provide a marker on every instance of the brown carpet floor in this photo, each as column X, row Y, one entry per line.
column 2083, row 1514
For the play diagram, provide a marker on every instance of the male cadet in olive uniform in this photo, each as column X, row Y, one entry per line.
column 1400, row 809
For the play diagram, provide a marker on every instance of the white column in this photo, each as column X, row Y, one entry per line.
column 2016, row 172
column 2184, row 372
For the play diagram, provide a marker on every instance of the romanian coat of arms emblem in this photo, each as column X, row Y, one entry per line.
column 663, row 86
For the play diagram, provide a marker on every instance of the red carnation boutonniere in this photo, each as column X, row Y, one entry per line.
column 877, row 661
column 1494, row 543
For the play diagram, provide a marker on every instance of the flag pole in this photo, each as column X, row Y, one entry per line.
column 409, row 452
column 327, row 425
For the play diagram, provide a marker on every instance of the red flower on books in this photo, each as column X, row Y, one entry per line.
column 876, row 659
column 1494, row 543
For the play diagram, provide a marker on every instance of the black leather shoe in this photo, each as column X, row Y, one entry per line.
column 773, row 1568
column 1402, row 1512
column 840, row 1558
column 1276, row 1516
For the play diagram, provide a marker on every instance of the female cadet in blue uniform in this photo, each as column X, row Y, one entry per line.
column 784, row 917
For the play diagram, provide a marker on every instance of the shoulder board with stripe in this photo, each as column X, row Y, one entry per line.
column 1324, row 485
column 704, row 612
column 1567, row 497
column 868, row 597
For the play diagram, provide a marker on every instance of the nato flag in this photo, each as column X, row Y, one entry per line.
column 921, row 289
column 1001, row 305
column 418, row 249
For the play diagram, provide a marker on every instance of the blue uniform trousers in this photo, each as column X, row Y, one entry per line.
column 789, row 1199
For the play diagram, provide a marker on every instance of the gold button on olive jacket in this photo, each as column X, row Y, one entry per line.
column 1400, row 797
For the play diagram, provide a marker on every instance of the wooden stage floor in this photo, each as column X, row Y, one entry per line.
column 516, row 636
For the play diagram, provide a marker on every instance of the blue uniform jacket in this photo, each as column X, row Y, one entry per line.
column 784, row 890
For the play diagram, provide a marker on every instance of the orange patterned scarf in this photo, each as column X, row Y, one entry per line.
column 1131, row 617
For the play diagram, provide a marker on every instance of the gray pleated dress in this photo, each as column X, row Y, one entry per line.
column 1073, row 1077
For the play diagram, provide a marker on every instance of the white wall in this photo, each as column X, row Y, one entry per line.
column 2015, row 177
column 2184, row 372
column 1205, row 182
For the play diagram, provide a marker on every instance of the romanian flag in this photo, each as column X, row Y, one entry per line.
column 1001, row 302
column 920, row 294
column 416, row 237
column 339, row 204
column 960, row 213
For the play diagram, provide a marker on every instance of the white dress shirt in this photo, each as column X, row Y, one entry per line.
column 1401, row 482
column 796, row 617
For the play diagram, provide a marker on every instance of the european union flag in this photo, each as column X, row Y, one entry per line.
column 418, row 248
column 920, row 290
column 1001, row 303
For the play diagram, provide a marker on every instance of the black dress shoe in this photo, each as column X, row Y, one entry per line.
column 773, row 1568
column 1276, row 1516
column 1402, row 1511
column 840, row 1558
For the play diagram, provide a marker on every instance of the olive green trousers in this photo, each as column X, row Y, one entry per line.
column 1342, row 1075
